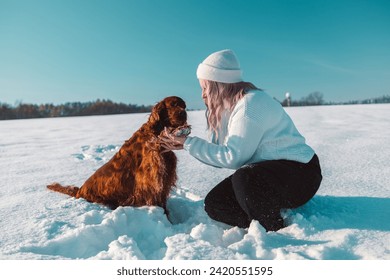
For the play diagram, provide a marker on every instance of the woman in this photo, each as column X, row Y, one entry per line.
column 252, row 134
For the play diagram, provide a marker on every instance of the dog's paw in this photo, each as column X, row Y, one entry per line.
column 182, row 130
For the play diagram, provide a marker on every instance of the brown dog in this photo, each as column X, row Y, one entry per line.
column 141, row 172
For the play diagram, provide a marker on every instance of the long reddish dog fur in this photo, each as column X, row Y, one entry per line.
column 140, row 173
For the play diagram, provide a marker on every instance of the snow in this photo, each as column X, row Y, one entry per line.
column 347, row 219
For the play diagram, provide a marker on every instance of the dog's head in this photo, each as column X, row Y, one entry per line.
column 170, row 113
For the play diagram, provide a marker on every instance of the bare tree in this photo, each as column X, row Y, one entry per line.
column 314, row 98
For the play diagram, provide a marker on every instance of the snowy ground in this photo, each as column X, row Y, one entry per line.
column 349, row 218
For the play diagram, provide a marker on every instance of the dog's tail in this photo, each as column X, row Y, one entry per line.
column 69, row 190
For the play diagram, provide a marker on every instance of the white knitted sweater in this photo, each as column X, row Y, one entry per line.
column 258, row 129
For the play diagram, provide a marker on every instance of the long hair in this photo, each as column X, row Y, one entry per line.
column 222, row 97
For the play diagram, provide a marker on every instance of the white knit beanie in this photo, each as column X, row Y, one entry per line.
column 222, row 66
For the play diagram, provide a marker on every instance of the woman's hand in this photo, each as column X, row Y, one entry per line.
column 169, row 141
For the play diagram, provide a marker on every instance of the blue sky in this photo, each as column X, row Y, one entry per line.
column 139, row 51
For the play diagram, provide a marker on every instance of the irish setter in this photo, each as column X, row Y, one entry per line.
column 141, row 172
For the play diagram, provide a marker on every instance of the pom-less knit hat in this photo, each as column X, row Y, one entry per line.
column 222, row 66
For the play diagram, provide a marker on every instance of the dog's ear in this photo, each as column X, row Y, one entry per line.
column 158, row 113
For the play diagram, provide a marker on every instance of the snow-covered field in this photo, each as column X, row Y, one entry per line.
column 349, row 218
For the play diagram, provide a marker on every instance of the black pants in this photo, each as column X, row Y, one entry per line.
column 259, row 191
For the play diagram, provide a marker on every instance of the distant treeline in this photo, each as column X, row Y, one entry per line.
column 107, row 107
column 98, row 107
column 376, row 100
column 317, row 98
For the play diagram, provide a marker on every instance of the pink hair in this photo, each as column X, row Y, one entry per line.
column 222, row 97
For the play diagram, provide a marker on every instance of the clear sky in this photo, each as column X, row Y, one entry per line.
column 139, row 51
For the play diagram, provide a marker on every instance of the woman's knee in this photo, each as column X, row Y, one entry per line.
column 209, row 202
column 241, row 178
column 246, row 182
column 219, row 195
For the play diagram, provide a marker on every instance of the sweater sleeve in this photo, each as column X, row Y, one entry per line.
column 244, row 135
